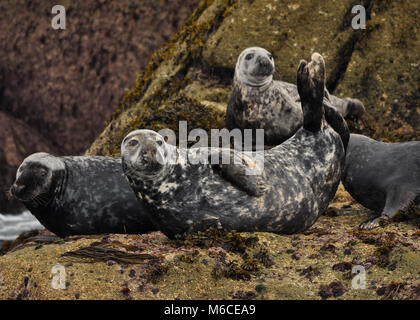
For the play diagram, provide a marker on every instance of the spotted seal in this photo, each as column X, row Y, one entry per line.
column 285, row 193
column 383, row 177
column 79, row 195
column 257, row 101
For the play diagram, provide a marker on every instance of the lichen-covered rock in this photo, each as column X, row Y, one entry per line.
column 378, row 65
column 317, row 264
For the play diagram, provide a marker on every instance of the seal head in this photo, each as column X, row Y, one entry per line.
column 255, row 67
column 145, row 153
column 36, row 179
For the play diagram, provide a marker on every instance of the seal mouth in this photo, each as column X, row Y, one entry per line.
column 18, row 191
column 147, row 159
column 264, row 68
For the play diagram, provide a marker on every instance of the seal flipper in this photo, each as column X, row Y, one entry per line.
column 398, row 199
column 205, row 223
column 241, row 171
column 355, row 108
column 337, row 122
column 311, row 87
column 234, row 106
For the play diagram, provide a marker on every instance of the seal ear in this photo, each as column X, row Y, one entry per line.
column 241, row 171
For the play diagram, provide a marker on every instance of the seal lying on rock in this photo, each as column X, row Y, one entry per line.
column 383, row 177
column 259, row 102
column 286, row 194
column 79, row 195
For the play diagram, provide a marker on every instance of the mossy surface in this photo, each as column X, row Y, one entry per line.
column 316, row 264
column 192, row 74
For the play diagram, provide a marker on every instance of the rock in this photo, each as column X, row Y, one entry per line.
column 157, row 271
column 190, row 77
column 58, row 87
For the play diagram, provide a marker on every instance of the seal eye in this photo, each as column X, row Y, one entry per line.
column 42, row 173
column 133, row 143
column 160, row 142
column 270, row 56
column 249, row 56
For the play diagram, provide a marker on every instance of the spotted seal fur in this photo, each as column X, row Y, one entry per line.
column 286, row 194
column 383, row 177
column 259, row 102
column 79, row 195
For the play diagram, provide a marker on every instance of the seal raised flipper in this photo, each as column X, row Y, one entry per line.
column 399, row 198
column 310, row 83
column 241, row 170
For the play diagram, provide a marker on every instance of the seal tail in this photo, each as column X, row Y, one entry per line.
column 311, row 84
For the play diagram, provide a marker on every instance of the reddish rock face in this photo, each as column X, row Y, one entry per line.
column 18, row 140
column 58, row 87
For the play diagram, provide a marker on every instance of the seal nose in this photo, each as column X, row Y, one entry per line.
column 147, row 153
column 263, row 61
column 17, row 189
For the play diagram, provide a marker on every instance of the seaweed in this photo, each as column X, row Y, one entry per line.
column 93, row 254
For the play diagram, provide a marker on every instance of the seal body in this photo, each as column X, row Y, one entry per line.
column 259, row 102
column 79, row 195
column 383, row 177
column 282, row 190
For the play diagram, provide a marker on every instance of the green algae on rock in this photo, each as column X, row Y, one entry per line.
column 217, row 265
column 190, row 77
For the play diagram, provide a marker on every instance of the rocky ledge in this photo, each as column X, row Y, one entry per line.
column 316, row 264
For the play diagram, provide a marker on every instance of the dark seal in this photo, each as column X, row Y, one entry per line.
column 79, row 195
column 259, row 102
column 383, row 177
column 282, row 190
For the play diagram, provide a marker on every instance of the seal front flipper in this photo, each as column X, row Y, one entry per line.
column 337, row 122
column 205, row 223
column 398, row 199
column 241, row 170
column 373, row 223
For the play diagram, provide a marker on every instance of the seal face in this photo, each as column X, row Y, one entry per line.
column 79, row 195
column 259, row 102
column 383, row 177
column 284, row 194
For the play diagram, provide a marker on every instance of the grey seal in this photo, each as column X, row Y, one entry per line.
column 259, row 102
column 383, row 177
column 285, row 193
column 79, row 195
